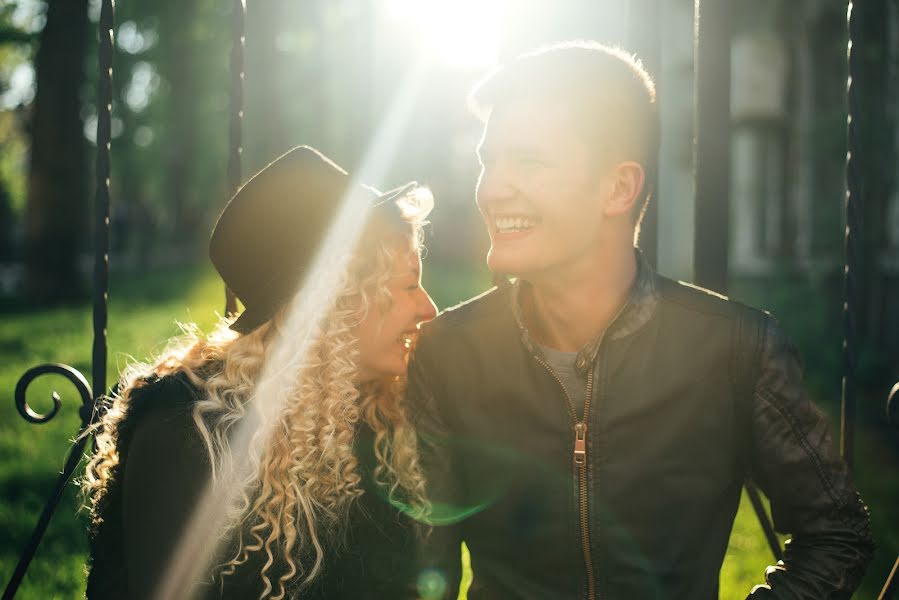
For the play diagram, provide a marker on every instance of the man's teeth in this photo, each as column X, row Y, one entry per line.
column 510, row 224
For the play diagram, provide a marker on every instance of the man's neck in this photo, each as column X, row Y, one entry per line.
column 568, row 309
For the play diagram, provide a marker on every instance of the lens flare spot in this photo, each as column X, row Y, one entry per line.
column 431, row 584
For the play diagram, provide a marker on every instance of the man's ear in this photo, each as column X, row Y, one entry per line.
column 627, row 180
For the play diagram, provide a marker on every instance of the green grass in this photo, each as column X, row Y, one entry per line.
column 143, row 311
column 142, row 314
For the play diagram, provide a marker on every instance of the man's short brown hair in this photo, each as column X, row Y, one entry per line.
column 611, row 96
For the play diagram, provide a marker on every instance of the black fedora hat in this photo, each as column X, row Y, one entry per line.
column 268, row 234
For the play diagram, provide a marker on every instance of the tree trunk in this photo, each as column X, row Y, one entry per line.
column 56, row 213
column 178, row 61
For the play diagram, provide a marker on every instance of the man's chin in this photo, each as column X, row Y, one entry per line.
column 508, row 265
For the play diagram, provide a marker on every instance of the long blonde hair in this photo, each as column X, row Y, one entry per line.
column 305, row 479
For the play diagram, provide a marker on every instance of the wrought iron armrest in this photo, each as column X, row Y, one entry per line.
column 88, row 414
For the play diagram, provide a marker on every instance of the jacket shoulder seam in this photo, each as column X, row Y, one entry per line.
column 671, row 291
column 730, row 309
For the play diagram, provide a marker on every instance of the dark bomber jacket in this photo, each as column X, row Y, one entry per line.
column 691, row 393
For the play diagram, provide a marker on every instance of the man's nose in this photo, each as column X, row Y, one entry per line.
column 494, row 185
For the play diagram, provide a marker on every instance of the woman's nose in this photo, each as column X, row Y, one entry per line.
column 427, row 309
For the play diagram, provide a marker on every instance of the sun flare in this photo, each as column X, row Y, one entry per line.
column 462, row 34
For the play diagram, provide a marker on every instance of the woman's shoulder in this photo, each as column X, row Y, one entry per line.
column 171, row 394
column 161, row 409
column 173, row 388
column 159, row 418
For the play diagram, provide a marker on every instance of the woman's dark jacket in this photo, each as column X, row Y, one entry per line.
column 162, row 472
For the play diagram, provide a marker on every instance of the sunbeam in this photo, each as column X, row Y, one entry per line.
column 201, row 538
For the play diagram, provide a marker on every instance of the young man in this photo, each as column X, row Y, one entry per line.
column 587, row 429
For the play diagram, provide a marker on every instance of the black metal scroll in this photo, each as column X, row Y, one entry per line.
column 74, row 456
column 853, row 255
column 891, row 587
column 851, row 244
column 711, row 142
column 77, row 379
column 101, row 280
column 238, row 32
column 893, row 407
column 764, row 520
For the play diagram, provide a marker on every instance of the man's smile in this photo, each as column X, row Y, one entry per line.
column 514, row 223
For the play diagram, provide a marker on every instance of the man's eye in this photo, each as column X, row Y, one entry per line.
column 412, row 287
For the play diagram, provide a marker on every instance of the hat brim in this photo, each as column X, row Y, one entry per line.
column 250, row 320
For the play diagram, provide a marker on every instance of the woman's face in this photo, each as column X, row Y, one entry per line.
column 386, row 334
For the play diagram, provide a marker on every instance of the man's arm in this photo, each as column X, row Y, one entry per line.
column 794, row 460
column 442, row 548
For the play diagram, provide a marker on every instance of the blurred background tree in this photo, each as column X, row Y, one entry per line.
column 56, row 207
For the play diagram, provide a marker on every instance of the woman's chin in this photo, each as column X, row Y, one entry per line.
column 394, row 371
column 381, row 372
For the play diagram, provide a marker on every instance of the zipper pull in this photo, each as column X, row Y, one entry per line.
column 580, row 444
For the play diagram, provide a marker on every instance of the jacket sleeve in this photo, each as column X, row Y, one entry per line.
column 164, row 476
column 441, row 554
column 794, row 461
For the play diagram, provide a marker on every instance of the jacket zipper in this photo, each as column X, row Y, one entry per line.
column 580, row 454
column 580, row 463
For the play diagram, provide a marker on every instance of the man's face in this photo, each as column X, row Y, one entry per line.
column 541, row 190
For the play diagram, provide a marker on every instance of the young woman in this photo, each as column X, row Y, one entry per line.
column 329, row 499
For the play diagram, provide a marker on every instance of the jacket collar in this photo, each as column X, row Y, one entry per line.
column 636, row 312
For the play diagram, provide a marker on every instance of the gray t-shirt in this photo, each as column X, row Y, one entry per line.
column 563, row 365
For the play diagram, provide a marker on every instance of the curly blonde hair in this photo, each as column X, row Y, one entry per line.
column 303, row 481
